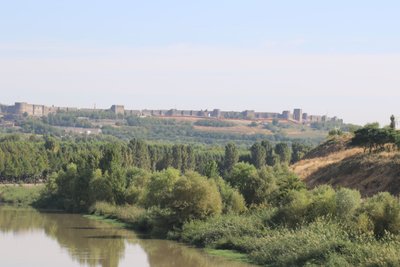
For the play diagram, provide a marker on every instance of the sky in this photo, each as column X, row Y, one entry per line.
column 336, row 58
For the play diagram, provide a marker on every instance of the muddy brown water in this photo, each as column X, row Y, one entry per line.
column 40, row 239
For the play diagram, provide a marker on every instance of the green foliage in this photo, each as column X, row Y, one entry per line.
column 218, row 231
column 136, row 184
column 373, row 138
column 100, row 188
column 392, row 123
column 159, row 189
column 214, row 123
column 231, row 157
column 20, row 195
column 258, row 155
column 348, row 202
column 255, row 186
column 232, row 200
column 384, row 211
column 195, row 197
column 299, row 150
column 284, row 152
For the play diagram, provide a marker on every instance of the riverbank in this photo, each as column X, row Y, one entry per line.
column 127, row 217
column 138, row 219
column 20, row 194
column 318, row 227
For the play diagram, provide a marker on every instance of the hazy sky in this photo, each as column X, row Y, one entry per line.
column 338, row 58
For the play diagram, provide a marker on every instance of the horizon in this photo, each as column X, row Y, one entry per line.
column 337, row 59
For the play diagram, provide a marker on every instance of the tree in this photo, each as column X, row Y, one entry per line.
column 255, row 186
column 258, row 155
column 392, row 122
column 298, row 151
column 177, row 157
column 195, row 197
column 283, row 151
column 270, row 157
column 211, row 169
column 231, row 157
column 160, row 187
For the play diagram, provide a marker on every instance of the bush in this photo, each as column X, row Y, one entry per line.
column 160, row 187
column 232, row 200
column 255, row 186
column 137, row 181
column 384, row 211
column 214, row 123
column 347, row 202
column 295, row 212
column 195, row 197
column 220, row 231
column 323, row 202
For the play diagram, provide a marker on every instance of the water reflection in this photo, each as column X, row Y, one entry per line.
column 30, row 238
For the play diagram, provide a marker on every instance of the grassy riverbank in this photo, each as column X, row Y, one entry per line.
column 20, row 194
column 251, row 237
column 147, row 222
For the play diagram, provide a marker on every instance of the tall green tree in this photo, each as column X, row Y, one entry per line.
column 283, row 151
column 392, row 122
column 258, row 155
column 231, row 157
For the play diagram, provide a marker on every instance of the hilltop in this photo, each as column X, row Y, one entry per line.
column 339, row 164
column 184, row 126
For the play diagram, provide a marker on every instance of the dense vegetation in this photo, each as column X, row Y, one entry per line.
column 17, row 163
column 220, row 198
column 62, row 124
column 214, row 123
column 373, row 138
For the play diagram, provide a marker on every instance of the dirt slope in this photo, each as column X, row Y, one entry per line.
column 338, row 164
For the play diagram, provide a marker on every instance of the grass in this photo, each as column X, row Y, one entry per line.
column 21, row 195
column 228, row 254
column 133, row 217
column 113, row 222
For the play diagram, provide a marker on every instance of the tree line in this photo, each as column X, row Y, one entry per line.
column 34, row 158
column 373, row 138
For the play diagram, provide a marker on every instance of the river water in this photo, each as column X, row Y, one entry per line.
column 29, row 238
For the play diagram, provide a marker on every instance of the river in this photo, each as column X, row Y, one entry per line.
column 42, row 239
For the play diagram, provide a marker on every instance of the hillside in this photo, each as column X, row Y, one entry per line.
column 168, row 129
column 336, row 163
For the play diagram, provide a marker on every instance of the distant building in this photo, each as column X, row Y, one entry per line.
column 249, row 114
column 216, row 113
column 298, row 114
column 305, row 117
column 118, row 109
column 286, row 115
column 23, row 108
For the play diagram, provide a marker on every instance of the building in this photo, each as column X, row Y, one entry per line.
column 305, row 117
column 118, row 109
column 249, row 114
column 286, row 115
column 298, row 115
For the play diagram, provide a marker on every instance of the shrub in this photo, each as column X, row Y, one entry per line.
column 232, row 200
column 384, row 211
column 295, row 212
column 160, row 187
column 195, row 197
column 255, row 186
column 220, row 231
column 347, row 202
column 137, row 181
column 323, row 202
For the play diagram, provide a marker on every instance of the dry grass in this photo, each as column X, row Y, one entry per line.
column 306, row 167
column 351, row 167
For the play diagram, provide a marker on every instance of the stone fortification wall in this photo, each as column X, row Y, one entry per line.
column 23, row 108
